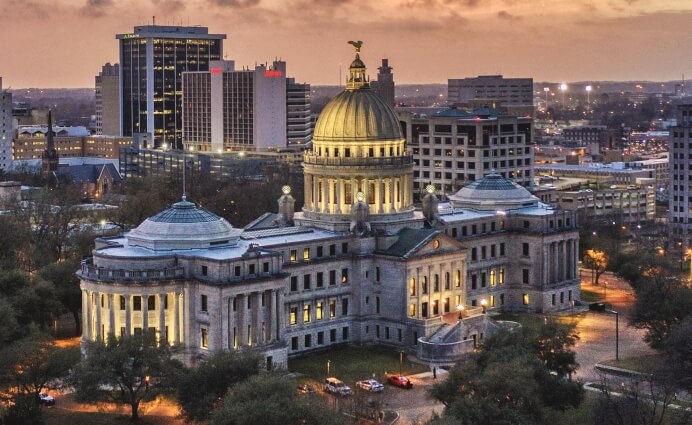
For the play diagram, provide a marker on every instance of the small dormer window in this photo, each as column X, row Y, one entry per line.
column 205, row 270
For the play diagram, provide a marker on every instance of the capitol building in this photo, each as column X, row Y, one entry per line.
column 357, row 263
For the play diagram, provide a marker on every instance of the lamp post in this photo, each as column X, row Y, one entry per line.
column 484, row 304
column 460, row 308
column 563, row 89
column 401, row 362
column 605, row 290
column 588, row 95
column 617, row 333
column 328, row 364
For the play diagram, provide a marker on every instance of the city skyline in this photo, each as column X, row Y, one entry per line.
column 553, row 41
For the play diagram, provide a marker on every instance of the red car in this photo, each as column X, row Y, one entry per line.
column 400, row 381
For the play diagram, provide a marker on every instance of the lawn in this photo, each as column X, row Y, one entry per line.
column 351, row 364
column 588, row 296
column 56, row 416
column 643, row 364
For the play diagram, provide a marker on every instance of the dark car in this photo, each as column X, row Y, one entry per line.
column 400, row 381
column 306, row 389
column 45, row 399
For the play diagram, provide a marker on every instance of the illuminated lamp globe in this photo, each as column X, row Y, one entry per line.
column 430, row 188
column 360, row 196
column 286, row 189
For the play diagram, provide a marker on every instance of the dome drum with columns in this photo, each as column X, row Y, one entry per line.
column 357, row 148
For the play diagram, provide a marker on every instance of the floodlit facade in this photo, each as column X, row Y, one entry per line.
column 356, row 264
column 107, row 93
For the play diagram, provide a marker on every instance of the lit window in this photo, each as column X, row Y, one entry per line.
column 457, row 280
column 502, row 276
column 412, row 287
column 294, row 315
column 306, row 253
column 205, row 338
column 412, row 310
column 492, row 278
column 525, row 299
column 332, row 308
column 294, row 255
column 319, row 310
column 306, row 313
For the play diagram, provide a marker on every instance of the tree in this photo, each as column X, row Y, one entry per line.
column 597, row 261
column 270, row 399
column 32, row 300
column 126, row 370
column 211, row 379
column 34, row 362
column 66, row 284
column 513, row 378
column 662, row 303
column 678, row 351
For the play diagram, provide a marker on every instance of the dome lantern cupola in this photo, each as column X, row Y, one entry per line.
column 356, row 72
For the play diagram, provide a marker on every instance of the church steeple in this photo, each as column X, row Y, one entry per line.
column 356, row 72
column 49, row 159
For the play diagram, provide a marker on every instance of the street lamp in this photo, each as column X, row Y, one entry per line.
column 484, row 304
column 605, row 290
column 401, row 361
column 617, row 333
column 563, row 89
column 588, row 95
column 460, row 308
column 328, row 364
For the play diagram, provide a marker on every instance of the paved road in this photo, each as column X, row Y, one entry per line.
column 597, row 330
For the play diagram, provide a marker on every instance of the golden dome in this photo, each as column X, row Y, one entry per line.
column 357, row 115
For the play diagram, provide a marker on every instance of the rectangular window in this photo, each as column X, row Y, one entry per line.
column 474, row 254
column 344, row 307
column 251, row 269
column 502, row 249
column 294, row 256
column 320, row 279
column 483, row 253
column 552, row 301
column 204, row 270
column 332, row 277
column 492, row 251
column 332, row 335
column 306, row 282
column 457, row 279
column 344, row 275
column 137, row 303
column 320, row 338
column 332, row 309
column 319, row 310
column 306, row 313
column 320, row 252
column 412, row 287
column 306, row 254
column 400, row 335
column 386, row 332
column 236, row 271
column 525, row 275
column 294, row 283
column 377, row 305
column 377, row 274
column 492, row 301
column 204, row 303
column 265, row 267
column 525, row 299
column 493, row 278
column 501, row 278
column 122, row 302
column 294, row 343
column 412, row 310
column 344, row 333
column 474, row 281
column 308, row 341
column 293, row 317
column 205, row 338
column 332, row 249
column 525, row 249
column 344, row 248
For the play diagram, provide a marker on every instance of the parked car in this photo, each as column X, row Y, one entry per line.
column 337, row 387
column 45, row 399
column 306, row 389
column 400, row 381
column 370, row 385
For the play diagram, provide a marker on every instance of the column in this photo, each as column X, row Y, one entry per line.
column 563, row 260
column 241, row 304
column 256, row 318
column 188, row 305
column 176, row 318
column 272, row 315
column 325, row 195
column 85, row 315
column 315, row 193
column 229, row 329
column 308, row 185
column 280, row 316
column 366, row 189
column 145, row 313
column 97, row 324
column 392, row 204
column 128, row 315
column 380, row 197
column 354, row 190
column 162, row 318
column 111, row 316
column 338, row 194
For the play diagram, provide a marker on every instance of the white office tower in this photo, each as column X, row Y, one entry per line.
column 226, row 109
column 299, row 129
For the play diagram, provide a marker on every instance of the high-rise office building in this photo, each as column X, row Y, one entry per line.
column 384, row 86
column 680, row 149
column 249, row 109
column 152, row 61
column 108, row 100
column 298, row 113
column 6, row 128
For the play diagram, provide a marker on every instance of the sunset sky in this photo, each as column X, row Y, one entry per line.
column 63, row 43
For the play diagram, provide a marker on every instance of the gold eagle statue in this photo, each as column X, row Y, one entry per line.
column 356, row 44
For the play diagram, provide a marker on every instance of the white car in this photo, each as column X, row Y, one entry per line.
column 45, row 399
column 370, row 385
column 337, row 387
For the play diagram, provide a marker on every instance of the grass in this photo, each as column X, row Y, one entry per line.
column 351, row 364
column 57, row 416
column 579, row 416
column 588, row 296
column 643, row 364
